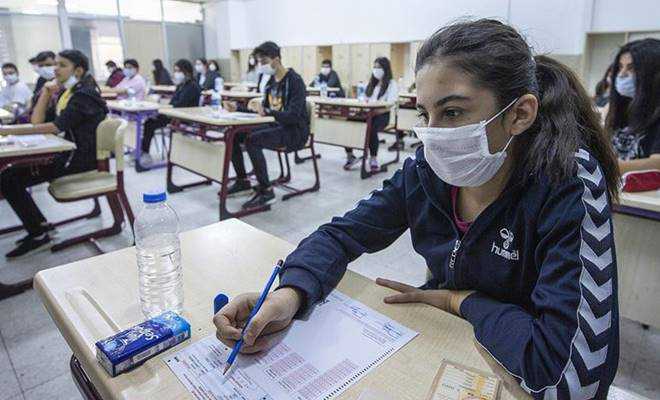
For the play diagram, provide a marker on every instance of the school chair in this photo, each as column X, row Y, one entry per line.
column 285, row 177
column 99, row 183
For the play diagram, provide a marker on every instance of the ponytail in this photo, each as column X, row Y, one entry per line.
column 497, row 57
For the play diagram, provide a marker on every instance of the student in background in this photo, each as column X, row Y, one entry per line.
column 284, row 100
column 329, row 76
column 115, row 74
column 79, row 110
column 633, row 119
column 602, row 92
column 205, row 77
column 133, row 84
column 251, row 75
column 187, row 94
column 45, row 68
column 500, row 203
column 160, row 74
column 213, row 66
column 381, row 87
column 16, row 93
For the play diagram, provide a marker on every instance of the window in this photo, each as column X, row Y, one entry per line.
column 99, row 40
column 35, row 7
column 181, row 11
column 144, row 10
column 106, row 7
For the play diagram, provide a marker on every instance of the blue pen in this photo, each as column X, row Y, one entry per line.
column 262, row 298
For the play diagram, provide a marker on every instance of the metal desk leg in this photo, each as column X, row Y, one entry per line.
column 85, row 386
column 8, row 290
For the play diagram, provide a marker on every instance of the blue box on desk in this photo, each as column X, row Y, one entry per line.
column 135, row 345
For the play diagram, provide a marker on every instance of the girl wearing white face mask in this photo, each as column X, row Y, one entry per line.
column 78, row 111
column 381, row 87
column 251, row 75
column 187, row 94
column 133, row 85
column 634, row 110
column 508, row 203
column 205, row 77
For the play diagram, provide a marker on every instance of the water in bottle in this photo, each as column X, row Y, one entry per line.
column 323, row 89
column 158, row 257
column 219, row 84
column 361, row 91
column 216, row 104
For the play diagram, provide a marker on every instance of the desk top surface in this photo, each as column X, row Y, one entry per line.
column 205, row 115
column 240, row 94
column 246, row 84
column 412, row 95
column 318, row 89
column 348, row 102
column 138, row 106
column 94, row 298
column 163, row 88
column 649, row 201
column 28, row 145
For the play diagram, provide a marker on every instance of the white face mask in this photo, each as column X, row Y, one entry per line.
column 199, row 68
column 625, row 85
column 378, row 73
column 251, row 61
column 212, row 67
column 35, row 67
column 11, row 78
column 69, row 83
column 129, row 72
column 325, row 71
column 266, row 69
column 178, row 77
column 47, row 72
column 460, row 156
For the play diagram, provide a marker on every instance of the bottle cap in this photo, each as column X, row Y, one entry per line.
column 220, row 301
column 154, row 197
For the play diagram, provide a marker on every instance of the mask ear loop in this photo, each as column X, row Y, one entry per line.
column 491, row 120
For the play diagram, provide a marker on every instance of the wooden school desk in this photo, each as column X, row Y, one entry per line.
column 137, row 113
column 207, row 155
column 316, row 91
column 636, row 232
column 97, row 297
column 163, row 90
column 346, row 122
column 17, row 155
column 240, row 97
column 406, row 116
column 249, row 85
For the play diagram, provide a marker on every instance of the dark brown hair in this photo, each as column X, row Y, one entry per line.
column 384, row 63
column 497, row 57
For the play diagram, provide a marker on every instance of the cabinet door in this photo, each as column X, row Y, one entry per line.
column 361, row 62
column 311, row 63
column 341, row 63
column 292, row 58
column 380, row 50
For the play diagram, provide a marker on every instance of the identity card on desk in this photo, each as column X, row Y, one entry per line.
column 316, row 359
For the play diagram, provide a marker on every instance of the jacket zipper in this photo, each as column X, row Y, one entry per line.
column 452, row 258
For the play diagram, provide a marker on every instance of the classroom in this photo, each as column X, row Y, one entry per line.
column 313, row 200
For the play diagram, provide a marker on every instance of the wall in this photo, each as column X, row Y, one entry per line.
column 629, row 15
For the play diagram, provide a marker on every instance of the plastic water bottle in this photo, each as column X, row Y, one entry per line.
column 158, row 256
column 216, row 104
column 361, row 92
column 323, row 89
column 219, row 84
column 131, row 97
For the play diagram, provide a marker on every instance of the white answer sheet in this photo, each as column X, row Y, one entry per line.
column 315, row 359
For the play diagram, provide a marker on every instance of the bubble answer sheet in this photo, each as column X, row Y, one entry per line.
column 315, row 359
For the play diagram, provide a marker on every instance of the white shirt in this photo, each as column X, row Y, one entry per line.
column 202, row 79
column 19, row 92
column 391, row 94
column 264, row 80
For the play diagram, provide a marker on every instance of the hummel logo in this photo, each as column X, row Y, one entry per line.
column 504, row 251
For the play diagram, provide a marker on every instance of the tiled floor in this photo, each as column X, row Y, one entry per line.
column 34, row 356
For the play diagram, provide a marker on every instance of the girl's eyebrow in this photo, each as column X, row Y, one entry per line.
column 444, row 100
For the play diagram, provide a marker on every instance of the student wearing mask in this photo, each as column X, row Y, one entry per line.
column 633, row 119
column 44, row 64
column 79, row 110
column 329, row 76
column 251, row 75
column 213, row 66
column 15, row 92
column 187, row 94
column 508, row 201
column 285, row 101
column 160, row 74
column 381, row 87
column 133, row 83
column 205, row 77
column 115, row 74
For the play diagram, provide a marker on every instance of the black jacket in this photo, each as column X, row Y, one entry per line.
column 293, row 115
column 162, row 77
column 79, row 120
column 186, row 94
column 332, row 80
column 209, row 80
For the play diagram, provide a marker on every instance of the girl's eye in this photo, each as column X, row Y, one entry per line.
column 452, row 113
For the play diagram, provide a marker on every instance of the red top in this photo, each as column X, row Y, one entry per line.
column 463, row 226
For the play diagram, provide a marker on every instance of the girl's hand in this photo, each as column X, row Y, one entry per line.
column 230, row 105
column 52, row 86
column 446, row 300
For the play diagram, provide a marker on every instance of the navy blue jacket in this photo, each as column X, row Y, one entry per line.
column 541, row 258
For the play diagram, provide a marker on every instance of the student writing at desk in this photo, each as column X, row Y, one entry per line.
column 79, row 110
column 508, row 202
column 381, row 87
column 186, row 95
column 330, row 77
column 133, row 83
column 284, row 100
column 633, row 118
